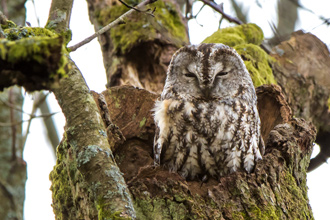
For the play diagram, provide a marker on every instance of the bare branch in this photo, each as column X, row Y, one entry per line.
column 317, row 161
column 39, row 99
column 119, row 20
column 13, row 127
column 241, row 12
column 49, row 123
column 13, row 106
column 28, row 120
column 3, row 18
column 219, row 9
column 128, row 6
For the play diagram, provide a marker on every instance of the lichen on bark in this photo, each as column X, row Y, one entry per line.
column 71, row 190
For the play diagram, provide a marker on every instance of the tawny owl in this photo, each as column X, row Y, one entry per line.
column 207, row 119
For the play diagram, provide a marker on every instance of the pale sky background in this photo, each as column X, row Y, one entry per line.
column 89, row 60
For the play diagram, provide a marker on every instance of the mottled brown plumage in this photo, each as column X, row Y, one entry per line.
column 207, row 119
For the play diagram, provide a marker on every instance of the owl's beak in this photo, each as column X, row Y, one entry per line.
column 206, row 90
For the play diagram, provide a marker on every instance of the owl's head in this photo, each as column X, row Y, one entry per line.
column 208, row 71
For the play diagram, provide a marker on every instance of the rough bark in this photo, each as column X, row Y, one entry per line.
column 139, row 51
column 302, row 70
column 86, row 182
column 275, row 190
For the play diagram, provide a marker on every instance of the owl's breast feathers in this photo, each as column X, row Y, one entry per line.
column 197, row 138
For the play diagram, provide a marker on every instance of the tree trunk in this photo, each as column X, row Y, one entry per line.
column 138, row 52
column 12, row 165
column 86, row 182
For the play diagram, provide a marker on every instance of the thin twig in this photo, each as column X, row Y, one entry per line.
column 38, row 101
column 28, row 120
column 119, row 20
column 13, row 127
column 195, row 16
column 138, row 10
column 13, row 107
column 219, row 9
column 40, row 97
column 130, row 7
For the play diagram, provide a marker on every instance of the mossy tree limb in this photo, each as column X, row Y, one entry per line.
column 86, row 181
column 34, row 63
column 31, row 57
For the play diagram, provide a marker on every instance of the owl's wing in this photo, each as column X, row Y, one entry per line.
column 261, row 145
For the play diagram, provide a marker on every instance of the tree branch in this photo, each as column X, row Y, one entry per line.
column 219, row 9
column 59, row 15
column 85, row 162
column 49, row 123
column 13, row 127
column 119, row 20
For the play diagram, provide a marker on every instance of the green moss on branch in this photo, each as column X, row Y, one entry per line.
column 257, row 61
column 32, row 57
column 246, row 39
column 241, row 34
